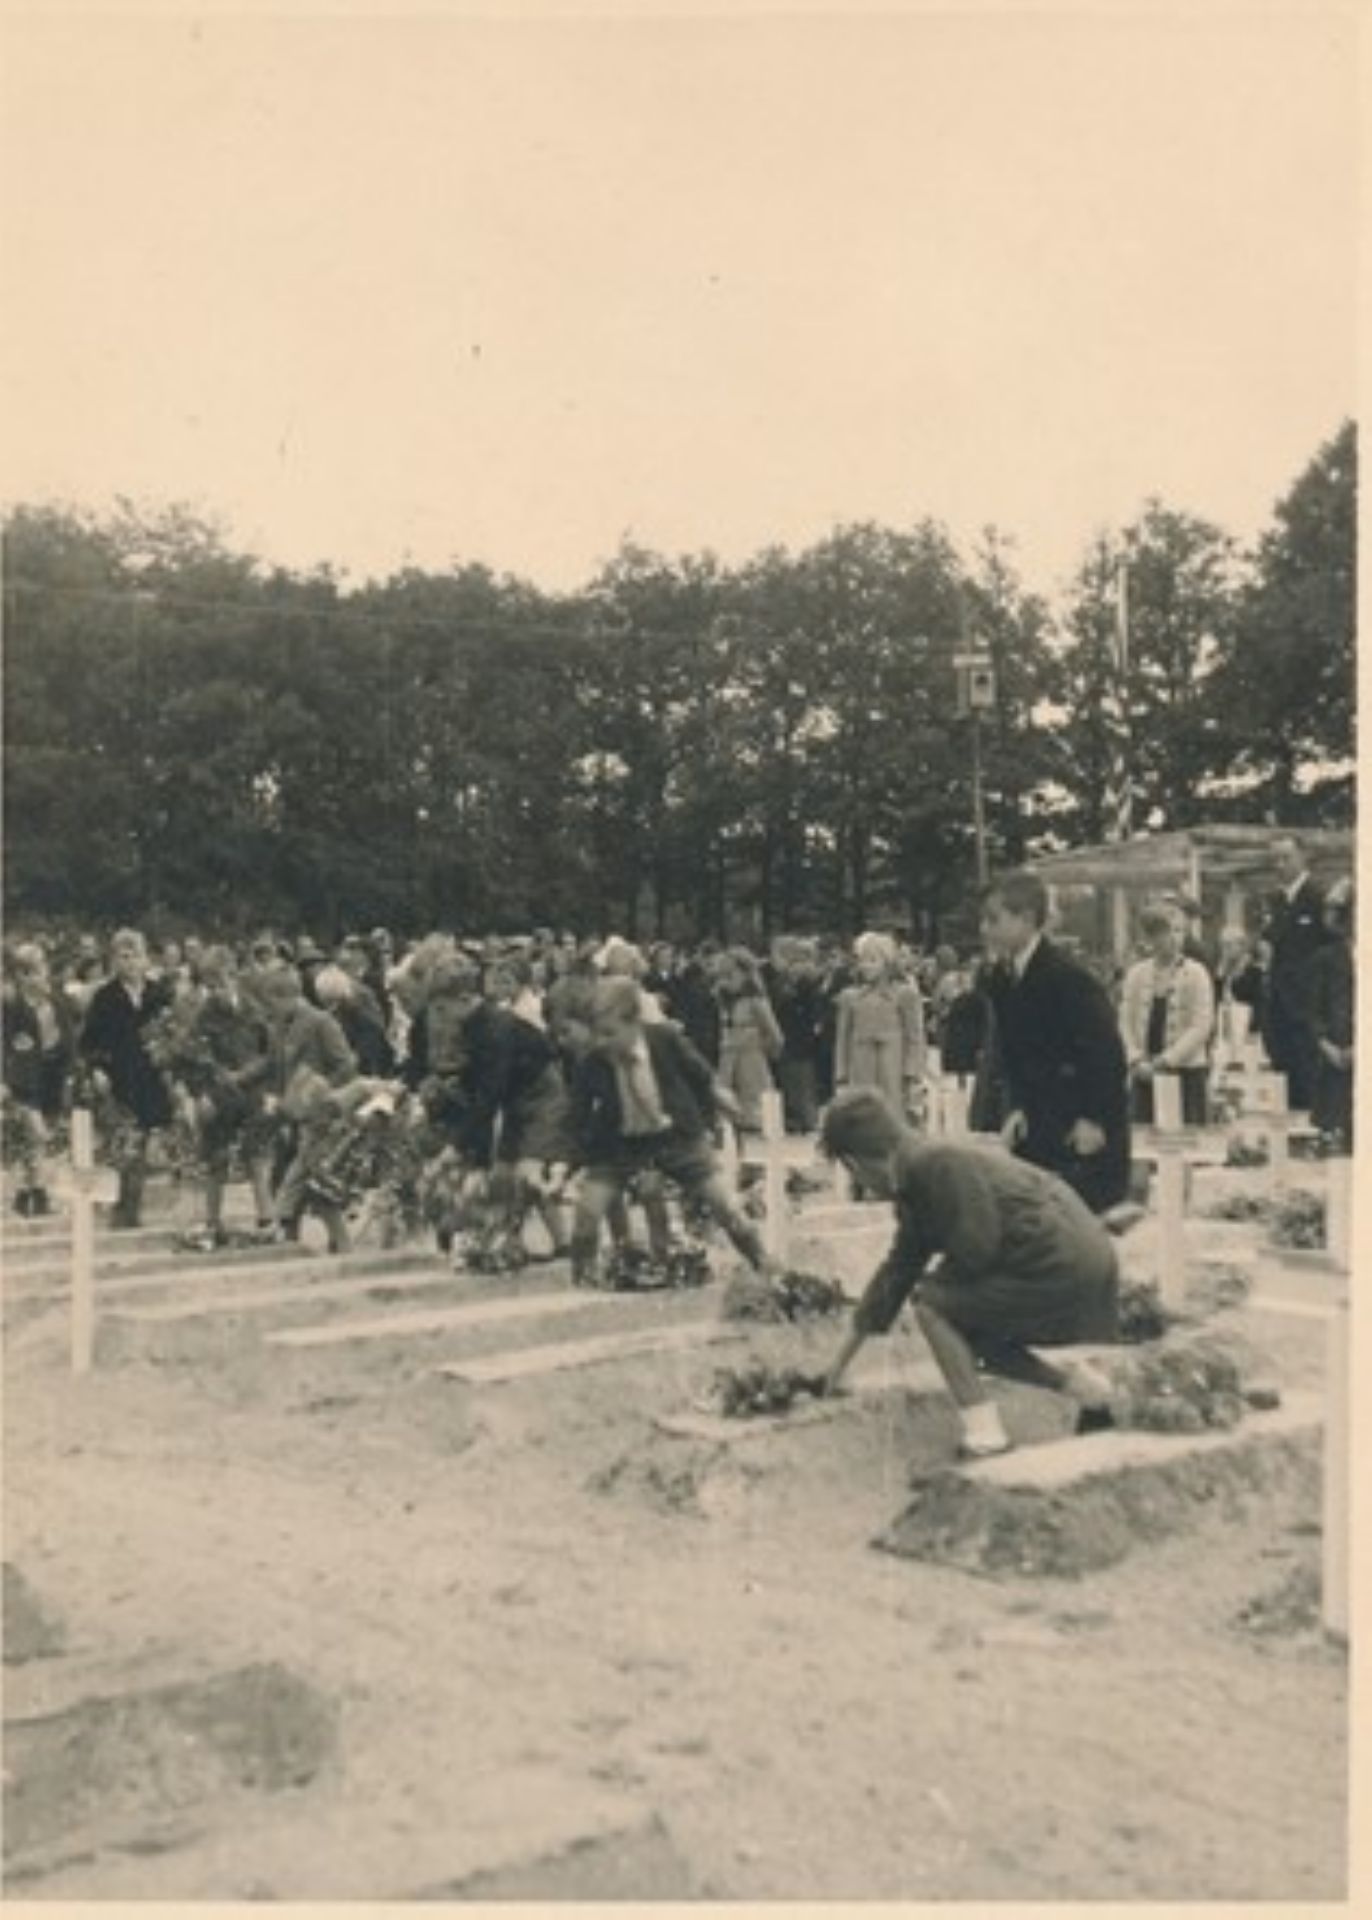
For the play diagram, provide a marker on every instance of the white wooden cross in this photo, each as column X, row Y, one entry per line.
column 1265, row 1105
column 82, row 1241
column 1335, row 1260
column 950, row 1101
column 776, row 1153
column 1171, row 1142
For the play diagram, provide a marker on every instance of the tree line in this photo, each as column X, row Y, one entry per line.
column 682, row 747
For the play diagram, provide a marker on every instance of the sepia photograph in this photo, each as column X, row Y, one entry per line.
column 678, row 957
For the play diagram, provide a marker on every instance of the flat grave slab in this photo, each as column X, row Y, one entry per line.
column 531, row 1828
column 117, row 1262
column 265, row 1299
column 863, row 1384
column 1061, row 1464
column 499, row 1369
column 477, row 1313
column 202, row 1270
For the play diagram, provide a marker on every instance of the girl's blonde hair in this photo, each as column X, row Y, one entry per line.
column 875, row 946
column 333, row 984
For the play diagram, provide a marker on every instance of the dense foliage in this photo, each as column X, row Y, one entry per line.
column 193, row 736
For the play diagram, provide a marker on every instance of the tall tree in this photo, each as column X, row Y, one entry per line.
column 1285, row 690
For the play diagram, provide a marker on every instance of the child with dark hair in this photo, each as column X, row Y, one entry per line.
column 1000, row 1258
column 113, row 1047
column 230, row 1093
column 533, row 1119
column 794, row 985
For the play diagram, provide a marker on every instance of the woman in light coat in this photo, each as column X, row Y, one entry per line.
column 880, row 1040
column 1167, row 1018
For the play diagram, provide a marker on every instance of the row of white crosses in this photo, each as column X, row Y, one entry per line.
column 1262, row 1092
column 82, row 1240
column 777, row 1153
column 1334, row 1261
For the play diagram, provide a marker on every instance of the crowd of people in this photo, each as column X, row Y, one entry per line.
column 460, row 1079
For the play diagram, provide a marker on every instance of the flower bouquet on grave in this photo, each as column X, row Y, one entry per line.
column 485, row 1240
column 634, row 1269
column 181, row 1053
column 1298, row 1221
column 1239, row 1152
column 629, row 1270
column 793, row 1296
column 175, row 1150
column 688, row 1264
column 441, row 1191
column 757, row 1389
column 389, row 1167
column 1219, row 1285
column 23, row 1139
column 1142, row 1315
column 1188, row 1386
column 1239, row 1206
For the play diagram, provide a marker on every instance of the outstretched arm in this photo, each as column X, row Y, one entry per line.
column 853, row 1342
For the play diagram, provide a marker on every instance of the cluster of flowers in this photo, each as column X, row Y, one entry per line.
column 741, row 1393
column 1298, row 1220
column 792, row 1296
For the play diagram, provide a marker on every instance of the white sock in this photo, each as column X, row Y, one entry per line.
column 981, row 1425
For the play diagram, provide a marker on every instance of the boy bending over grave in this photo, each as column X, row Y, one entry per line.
column 644, row 1101
column 999, row 1257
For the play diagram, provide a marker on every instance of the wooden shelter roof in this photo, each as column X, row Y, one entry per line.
column 1227, row 855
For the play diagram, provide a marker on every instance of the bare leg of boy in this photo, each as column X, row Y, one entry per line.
column 982, row 1431
column 714, row 1195
column 652, row 1195
column 598, row 1193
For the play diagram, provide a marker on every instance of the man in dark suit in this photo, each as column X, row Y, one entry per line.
column 1058, row 1049
column 1295, row 933
column 644, row 1101
column 113, row 1045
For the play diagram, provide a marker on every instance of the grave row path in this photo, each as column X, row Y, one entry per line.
column 155, row 1299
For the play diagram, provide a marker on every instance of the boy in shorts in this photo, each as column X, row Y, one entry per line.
column 1000, row 1258
column 643, row 1101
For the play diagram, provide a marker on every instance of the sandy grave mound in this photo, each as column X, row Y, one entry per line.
column 123, row 1770
column 31, row 1630
column 1098, row 1520
column 1290, row 1611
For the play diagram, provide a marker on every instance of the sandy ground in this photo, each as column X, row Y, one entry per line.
column 531, row 1583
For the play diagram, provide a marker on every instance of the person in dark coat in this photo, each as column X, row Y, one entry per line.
column 23, row 1071
column 56, row 1024
column 230, row 1092
column 1001, row 1258
column 1332, row 1012
column 793, row 984
column 337, row 992
column 1238, row 974
column 1295, row 932
column 112, row 1043
column 689, row 999
column 1058, row 1049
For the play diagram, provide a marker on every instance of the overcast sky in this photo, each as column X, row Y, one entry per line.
column 436, row 289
